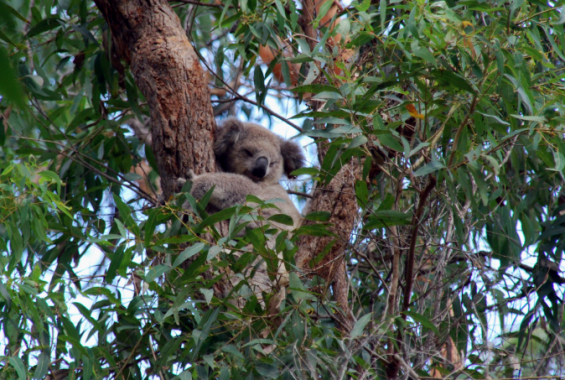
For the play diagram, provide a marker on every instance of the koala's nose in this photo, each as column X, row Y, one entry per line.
column 260, row 167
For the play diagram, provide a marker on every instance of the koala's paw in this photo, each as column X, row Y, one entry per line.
column 190, row 176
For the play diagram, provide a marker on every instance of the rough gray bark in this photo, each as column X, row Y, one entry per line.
column 149, row 36
column 337, row 197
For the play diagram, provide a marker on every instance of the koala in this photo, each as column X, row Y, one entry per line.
column 252, row 160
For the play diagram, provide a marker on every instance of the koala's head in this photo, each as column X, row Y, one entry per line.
column 255, row 152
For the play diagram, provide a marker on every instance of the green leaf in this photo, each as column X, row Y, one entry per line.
column 318, row 216
column 411, row 25
column 125, row 214
column 44, row 26
column 331, row 120
column 156, row 272
column 423, row 53
column 213, row 252
column 362, row 39
column 297, row 288
column 282, row 219
column 382, row 11
column 450, row 78
column 387, row 218
column 42, row 367
column 432, row 167
column 498, row 119
column 315, row 89
column 4, row 293
column 360, row 326
column 4, row 37
column 539, row 119
column 361, row 7
column 217, row 217
column 305, row 171
column 208, row 294
column 259, row 81
column 389, row 141
column 188, row 253
column 115, row 264
column 328, row 95
column 422, row 320
column 6, row 9
column 323, row 10
column 17, row 363
column 357, row 141
column 231, row 349
column 362, row 193
column 10, row 87
column 150, row 225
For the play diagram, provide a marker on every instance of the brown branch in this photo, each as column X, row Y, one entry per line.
column 460, row 129
column 306, row 21
column 199, row 3
column 300, row 194
column 246, row 99
column 409, row 267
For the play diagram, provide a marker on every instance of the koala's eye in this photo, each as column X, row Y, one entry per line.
column 272, row 164
column 248, row 152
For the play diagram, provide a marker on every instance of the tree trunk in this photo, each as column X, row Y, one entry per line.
column 337, row 197
column 149, row 36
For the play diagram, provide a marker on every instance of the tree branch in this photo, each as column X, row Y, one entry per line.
column 409, row 269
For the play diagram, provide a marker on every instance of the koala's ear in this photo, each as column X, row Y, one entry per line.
column 292, row 155
column 226, row 136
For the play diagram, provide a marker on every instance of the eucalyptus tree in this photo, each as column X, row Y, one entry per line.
column 432, row 243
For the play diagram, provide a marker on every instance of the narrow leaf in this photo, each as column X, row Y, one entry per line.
column 360, row 326
column 156, row 272
column 188, row 253
column 422, row 320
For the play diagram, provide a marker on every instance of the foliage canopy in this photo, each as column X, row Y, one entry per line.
column 454, row 111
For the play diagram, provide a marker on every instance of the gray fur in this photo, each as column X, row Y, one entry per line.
column 253, row 160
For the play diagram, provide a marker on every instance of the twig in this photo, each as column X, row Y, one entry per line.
column 223, row 100
column 460, row 129
column 200, row 3
column 131, row 355
column 300, row 194
column 407, row 367
column 246, row 99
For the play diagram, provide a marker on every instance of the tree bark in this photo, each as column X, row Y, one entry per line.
column 149, row 36
column 337, row 197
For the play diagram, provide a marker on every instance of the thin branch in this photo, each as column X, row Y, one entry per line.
column 200, row 3
column 460, row 129
column 300, row 194
column 409, row 275
column 407, row 367
column 246, row 99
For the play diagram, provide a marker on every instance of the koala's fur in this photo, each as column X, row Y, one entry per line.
column 253, row 160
